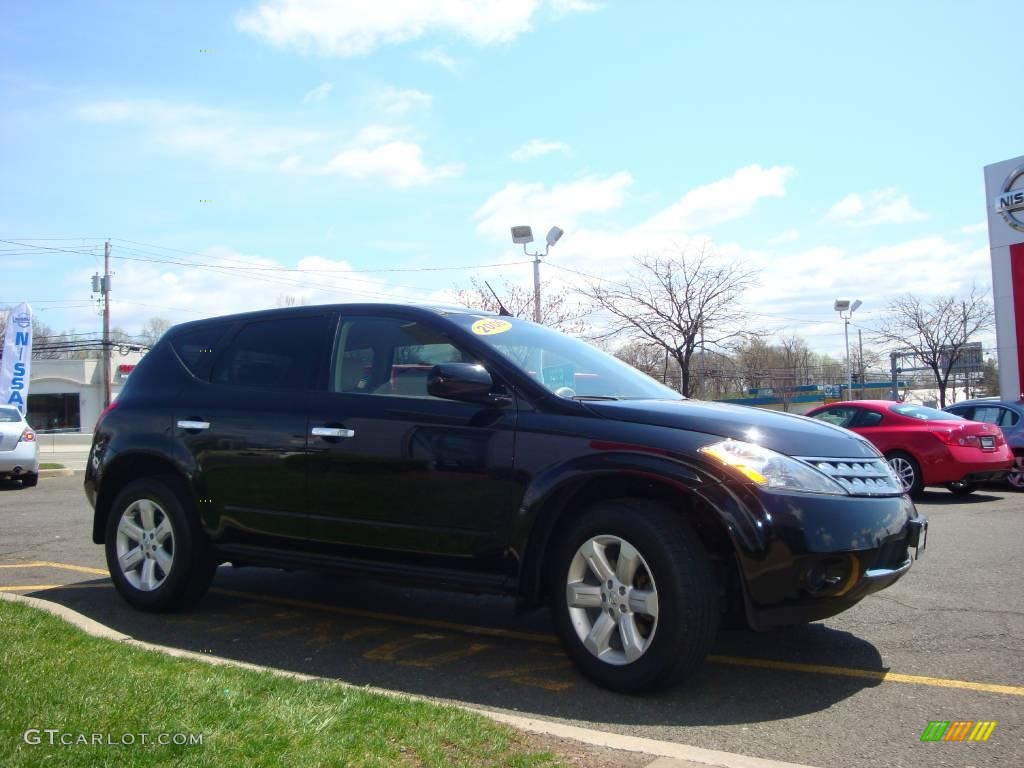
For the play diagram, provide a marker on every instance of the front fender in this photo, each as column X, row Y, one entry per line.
column 559, row 489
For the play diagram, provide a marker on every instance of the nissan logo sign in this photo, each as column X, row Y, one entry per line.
column 1010, row 201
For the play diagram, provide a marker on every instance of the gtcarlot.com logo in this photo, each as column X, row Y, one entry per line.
column 958, row 730
column 56, row 737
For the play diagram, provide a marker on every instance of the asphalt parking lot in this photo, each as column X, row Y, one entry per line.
column 945, row 643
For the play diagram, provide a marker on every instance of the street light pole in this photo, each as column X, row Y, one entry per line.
column 846, row 308
column 536, row 287
column 521, row 236
column 849, row 367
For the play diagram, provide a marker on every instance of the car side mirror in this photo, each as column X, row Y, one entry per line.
column 467, row 382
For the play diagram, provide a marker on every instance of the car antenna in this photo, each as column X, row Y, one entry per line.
column 502, row 312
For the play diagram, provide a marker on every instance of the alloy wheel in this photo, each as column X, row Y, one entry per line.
column 612, row 599
column 1016, row 476
column 904, row 471
column 145, row 545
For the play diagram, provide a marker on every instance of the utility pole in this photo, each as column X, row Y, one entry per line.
column 105, row 286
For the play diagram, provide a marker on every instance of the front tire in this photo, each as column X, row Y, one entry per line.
column 633, row 595
column 907, row 470
column 31, row 480
column 157, row 553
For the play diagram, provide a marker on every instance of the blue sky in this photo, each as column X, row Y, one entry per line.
column 838, row 147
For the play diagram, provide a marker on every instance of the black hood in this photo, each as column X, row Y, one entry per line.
column 782, row 432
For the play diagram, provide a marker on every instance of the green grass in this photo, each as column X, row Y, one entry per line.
column 53, row 675
column 50, row 465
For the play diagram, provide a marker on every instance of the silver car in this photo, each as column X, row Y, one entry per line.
column 19, row 451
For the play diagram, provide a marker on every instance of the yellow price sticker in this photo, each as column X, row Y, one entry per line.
column 490, row 326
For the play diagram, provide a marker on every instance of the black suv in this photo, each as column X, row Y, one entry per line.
column 464, row 450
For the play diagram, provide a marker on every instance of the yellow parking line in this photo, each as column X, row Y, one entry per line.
column 884, row 676
column 789, row 666
column 378, row 616
column 62, row 566
column 30, row 587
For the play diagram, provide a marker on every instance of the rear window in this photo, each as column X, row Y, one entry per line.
column 9, row 415
column 196, row 347
column 924, row 413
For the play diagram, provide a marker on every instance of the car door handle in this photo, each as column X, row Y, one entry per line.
column 190, row 424
column 333, row 432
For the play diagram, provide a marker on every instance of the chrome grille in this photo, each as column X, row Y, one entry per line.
column 860, row 477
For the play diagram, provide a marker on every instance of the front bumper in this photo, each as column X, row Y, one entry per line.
column 823, row 555
column 24, row 459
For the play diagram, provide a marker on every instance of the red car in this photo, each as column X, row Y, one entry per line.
column 925, row 446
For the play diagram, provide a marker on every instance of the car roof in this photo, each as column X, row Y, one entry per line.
column 988, row 401
column 369, row 307
column 12, row 409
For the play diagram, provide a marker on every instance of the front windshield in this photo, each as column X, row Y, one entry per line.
column 924, row 413
column 566, row 366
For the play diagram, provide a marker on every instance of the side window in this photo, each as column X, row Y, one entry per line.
column 989, row 414
column 1008, row 418
column 196, row 347
column 867, row 419
column 965, row 412
column 279, row 353
column 388, row 356
column 841, row 417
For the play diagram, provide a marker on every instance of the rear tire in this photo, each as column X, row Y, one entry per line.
column 907, row 470
column 31, row 480
column 1016, row 477
column 962, row 489
column 658, row 618
column 157, row 553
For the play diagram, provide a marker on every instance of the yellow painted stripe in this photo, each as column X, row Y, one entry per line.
column 887, row 677
column 789, row 666
column 30, row 587
column 62, row 566
column 376, row 615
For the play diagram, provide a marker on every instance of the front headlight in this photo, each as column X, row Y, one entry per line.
column 770, row 469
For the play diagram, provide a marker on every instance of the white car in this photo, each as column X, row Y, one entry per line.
column 19, row 451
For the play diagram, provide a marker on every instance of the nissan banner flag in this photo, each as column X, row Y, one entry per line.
column 17, row 360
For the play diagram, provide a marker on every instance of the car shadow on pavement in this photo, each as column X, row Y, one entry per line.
column 945, row 498
column 473, row 649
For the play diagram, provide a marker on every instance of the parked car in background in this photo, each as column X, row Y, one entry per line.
column 1009, row 417
column 925, row 446
column 453, row 448
column 19, row 451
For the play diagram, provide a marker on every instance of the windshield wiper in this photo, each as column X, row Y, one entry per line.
column 594, row 397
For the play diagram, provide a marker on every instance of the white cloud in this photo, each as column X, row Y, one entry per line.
column 320, row 93
column 724, row 200
column 395, row 102
column 562, row 205
column 185, row 292
column 229, row 138
column 787, row 236
column 538, row 148
column 881, row 206
column 396, row 163
column 356, row 27
column 440, row 57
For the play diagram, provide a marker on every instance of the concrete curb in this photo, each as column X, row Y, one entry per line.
column 56, row 472
column 664, row 754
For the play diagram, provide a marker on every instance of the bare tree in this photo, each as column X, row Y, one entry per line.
column 936, row 331
column 679, row 303
column 557, row 309
column 154, row 328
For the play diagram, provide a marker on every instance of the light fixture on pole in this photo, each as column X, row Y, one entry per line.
column 524, row 235
column 846, row 308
